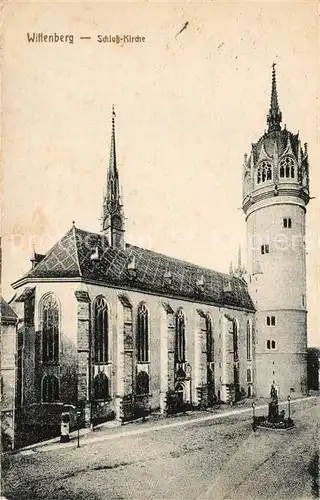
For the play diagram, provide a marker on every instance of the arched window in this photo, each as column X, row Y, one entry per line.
column 143, row 334
column 210, row 340
column 100, row 331
column 235, row 341
column 249, row 341
column 287, row 168
column 50, row 389
column 268, row 344
column 50, row 320
column 180, row 340
column 142, row 383
column 264, row 172
column 101, row 386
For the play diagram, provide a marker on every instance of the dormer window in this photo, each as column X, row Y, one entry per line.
column 132, row 268
column 168, row 278
column 287, row 168
column 264, row 172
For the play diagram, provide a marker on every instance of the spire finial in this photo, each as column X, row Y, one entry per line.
column 239, row 259
column 274, row 116
column 231, row 268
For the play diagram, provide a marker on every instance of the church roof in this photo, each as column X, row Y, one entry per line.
column 86, row 255
column 7, row 314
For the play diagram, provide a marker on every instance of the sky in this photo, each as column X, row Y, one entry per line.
column 188, row 107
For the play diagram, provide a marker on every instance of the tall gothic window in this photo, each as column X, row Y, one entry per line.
column 235, row 341
column 210, row 341
column 50, row 329
column 249, row 341
column 50, row 389
column 143, row 334
column 264, row 172
column 100, row 331
column 180, row 337
column 287, row 168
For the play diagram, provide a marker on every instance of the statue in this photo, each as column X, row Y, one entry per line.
column 273, row 415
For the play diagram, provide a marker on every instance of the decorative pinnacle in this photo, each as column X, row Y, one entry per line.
column 274, row 116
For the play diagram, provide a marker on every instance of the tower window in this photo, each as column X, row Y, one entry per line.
column 249, row 375
column 271, row 344
column 264, row 172
column 303, row 300
column 287, row 168
column 264, row 249
column 271, row 321
column 287, row 222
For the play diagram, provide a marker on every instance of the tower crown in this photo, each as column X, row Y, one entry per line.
column 276, row 164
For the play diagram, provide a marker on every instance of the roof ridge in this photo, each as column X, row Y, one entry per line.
column 76, row 248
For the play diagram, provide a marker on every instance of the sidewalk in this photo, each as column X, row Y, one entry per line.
column 114, row 430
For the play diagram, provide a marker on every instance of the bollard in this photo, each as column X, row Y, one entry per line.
column 65, row 427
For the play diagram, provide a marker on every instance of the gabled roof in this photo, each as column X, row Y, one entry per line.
column 88, row 256
column 7, row 314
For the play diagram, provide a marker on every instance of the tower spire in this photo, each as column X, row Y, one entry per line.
column 112, row 210
column 113, row 155
column 274, row 116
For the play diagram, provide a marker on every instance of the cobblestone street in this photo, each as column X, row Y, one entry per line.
column 211, row 459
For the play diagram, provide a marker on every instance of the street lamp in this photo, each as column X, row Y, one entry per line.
column 189, row 373
column 78, row 427
column 253, row 416
column 289, row 399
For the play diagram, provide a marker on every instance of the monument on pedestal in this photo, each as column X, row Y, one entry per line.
column 275, row 420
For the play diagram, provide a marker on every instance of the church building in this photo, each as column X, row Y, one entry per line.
column 104, row 322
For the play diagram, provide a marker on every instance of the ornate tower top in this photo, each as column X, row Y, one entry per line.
column 277, row 165
column 274, row 117
column 112, row 209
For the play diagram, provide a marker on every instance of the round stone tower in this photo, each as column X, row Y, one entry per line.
column 275, row 195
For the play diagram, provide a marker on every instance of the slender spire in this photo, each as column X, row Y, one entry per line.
column 274, row 116
column 113, row 188
column 112, row 210
column 113, row 156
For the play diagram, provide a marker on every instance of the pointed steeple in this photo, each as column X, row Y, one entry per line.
column 113, row 157
column 112, row 209
column 274, row 116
